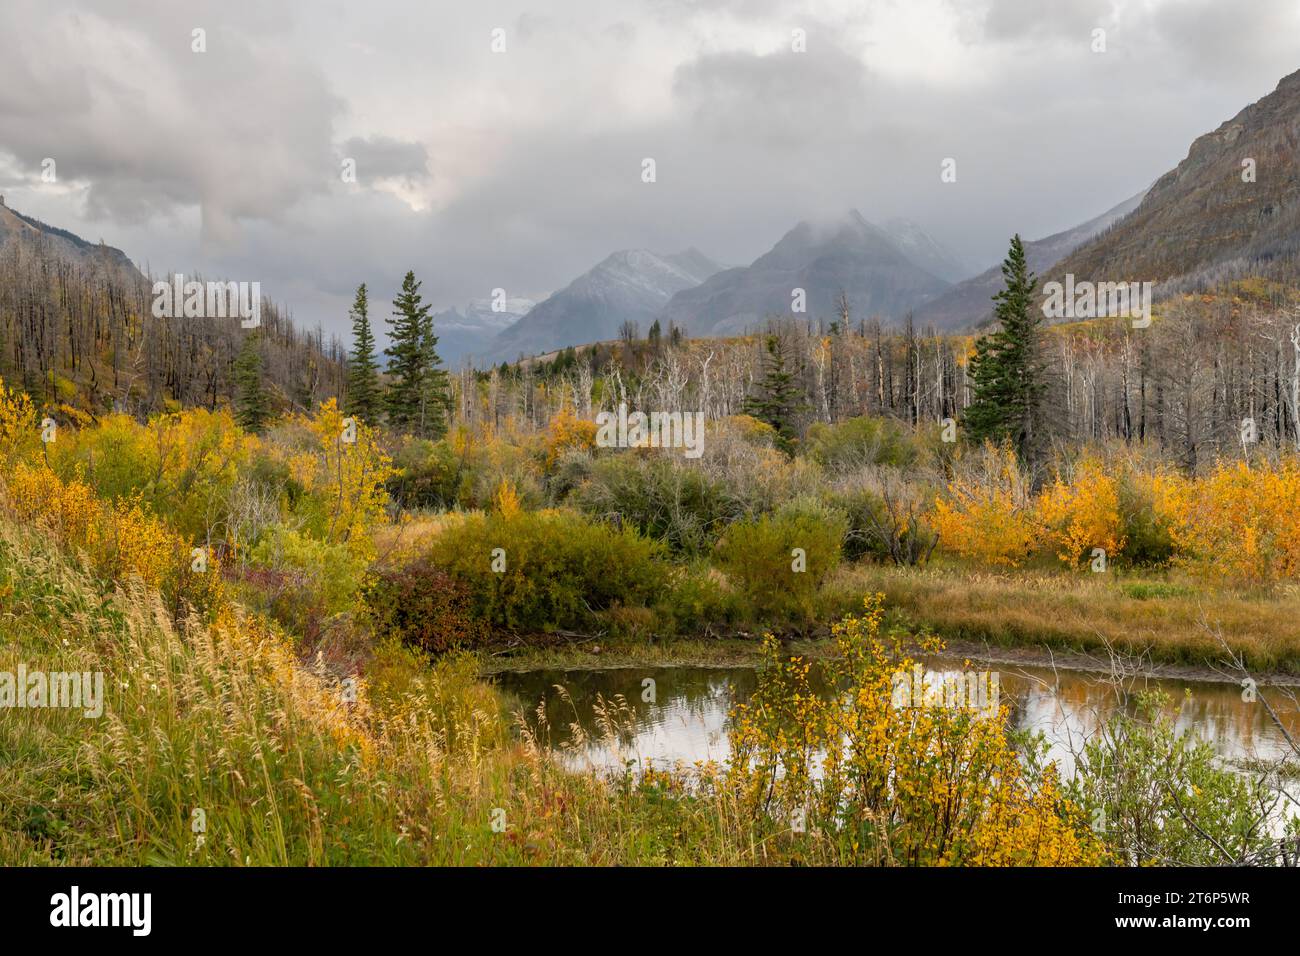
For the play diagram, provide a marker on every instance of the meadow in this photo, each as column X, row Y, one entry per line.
column 294, row 629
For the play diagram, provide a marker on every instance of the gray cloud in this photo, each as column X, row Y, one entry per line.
column 522, row 170
column 382, row 157
column 777, row 99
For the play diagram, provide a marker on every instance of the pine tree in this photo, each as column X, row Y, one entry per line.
column 435, row 395
column 408, row 356
column 252, row 407
column 778, row 399
column 364, row 399
column 1007, row 369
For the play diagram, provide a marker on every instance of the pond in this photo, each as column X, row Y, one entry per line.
column 688, row 718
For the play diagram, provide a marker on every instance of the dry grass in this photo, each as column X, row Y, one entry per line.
column 1171, row 620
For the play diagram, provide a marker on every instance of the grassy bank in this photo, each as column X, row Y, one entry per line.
column 1167, row 620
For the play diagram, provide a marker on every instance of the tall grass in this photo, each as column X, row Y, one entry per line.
column 284, row 766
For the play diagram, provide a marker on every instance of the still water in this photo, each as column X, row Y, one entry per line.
column 687, row 722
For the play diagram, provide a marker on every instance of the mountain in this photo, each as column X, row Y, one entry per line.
column 632, row 285
column 16, row 228
column 915, row 243
column 849, row 255
column 969, row 303
column 1201, row 221
column 464, row 334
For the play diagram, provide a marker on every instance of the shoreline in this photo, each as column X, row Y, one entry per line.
column 738, row 652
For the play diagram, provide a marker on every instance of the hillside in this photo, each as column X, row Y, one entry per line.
column 1201, row 222
column 18, row 229
column 969, row 303
column 77, row 328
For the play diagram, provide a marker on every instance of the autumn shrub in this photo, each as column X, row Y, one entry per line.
column 542, row 571
column 987, row 514
column 19, row 436
column 890, row 782
column 744, row 428
column 779, row 562
column 343, row 472
column 423, row 606
column 1080, row 512
column 184, row 464
column 567, row 432
column 1238, row 522
column 122, row 540
column 888, row 516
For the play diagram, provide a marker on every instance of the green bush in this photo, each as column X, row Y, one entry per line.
column 560, row 569
column 1159, row 795
column 699, row 603
column 301, row 579
column 779, row 585
column 429, row 474
column 663, row 498
column 1147, row 542
column 857, row 442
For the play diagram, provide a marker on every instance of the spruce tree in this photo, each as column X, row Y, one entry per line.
column 363, row 398
column 778, row 399
column 252, row 406
column 1007, row 371
column 407, row 355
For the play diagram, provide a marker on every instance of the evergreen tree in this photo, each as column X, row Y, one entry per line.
column 1007, row 369
column 252, row 406
column 364, row 398
column 408, row 356
column 778, row 399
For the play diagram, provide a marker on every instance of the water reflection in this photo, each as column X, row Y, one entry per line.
column 687, row 721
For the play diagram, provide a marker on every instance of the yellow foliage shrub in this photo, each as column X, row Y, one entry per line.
column 1083, row 514
column 346, row 469
column 900, row 782
column 18, row 433
column 69, row 510
column 567, row 430
column 987, row 514
column 1239, row 522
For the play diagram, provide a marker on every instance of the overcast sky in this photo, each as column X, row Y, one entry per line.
column 521, row 169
